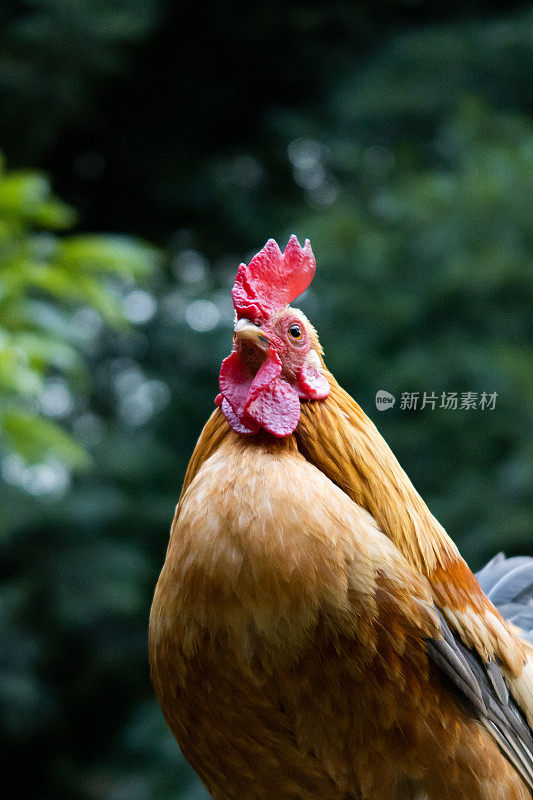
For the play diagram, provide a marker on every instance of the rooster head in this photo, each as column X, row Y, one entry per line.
column 276, row 358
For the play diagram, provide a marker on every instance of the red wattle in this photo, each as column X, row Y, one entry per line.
column 239, row 387
column 235, row 382
column 236, row 423
column 265, row 401
column 312, row 384
column 267, row 372
column 276, row 408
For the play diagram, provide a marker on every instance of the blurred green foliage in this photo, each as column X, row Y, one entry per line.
column 398, row 138
column 44, row 280
column 436, row 297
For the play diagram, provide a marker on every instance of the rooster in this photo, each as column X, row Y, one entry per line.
column 315, row 632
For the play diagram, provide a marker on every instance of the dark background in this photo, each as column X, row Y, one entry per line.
column 397, row 136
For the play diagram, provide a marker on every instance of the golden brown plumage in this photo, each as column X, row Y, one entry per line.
column 338, row 437
column 296, row 644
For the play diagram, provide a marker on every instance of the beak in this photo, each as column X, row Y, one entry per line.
column 246, row 333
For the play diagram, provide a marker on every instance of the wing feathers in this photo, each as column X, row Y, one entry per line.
column 507, row 580
column 483, row 687
column 497, row 681
column 455, row 668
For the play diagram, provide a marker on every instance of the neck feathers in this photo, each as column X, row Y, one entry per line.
column 341, row 441
column 338, row 437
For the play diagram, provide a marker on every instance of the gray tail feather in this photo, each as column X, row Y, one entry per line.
column 508, row 582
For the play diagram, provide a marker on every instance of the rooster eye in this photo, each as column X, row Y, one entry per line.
column 295, row 331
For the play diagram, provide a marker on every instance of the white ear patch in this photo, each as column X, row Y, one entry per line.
column 313, row 360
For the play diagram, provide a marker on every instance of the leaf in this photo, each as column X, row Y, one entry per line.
column 28, row 195
column 35, row 438
column 44, row 351
column 120, row 255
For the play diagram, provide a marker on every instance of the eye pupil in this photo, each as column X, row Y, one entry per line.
column 295, row 331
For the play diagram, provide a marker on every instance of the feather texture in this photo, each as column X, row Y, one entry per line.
column 508, row 583
column 289, row 643
column 342, row 442
column 315, row 631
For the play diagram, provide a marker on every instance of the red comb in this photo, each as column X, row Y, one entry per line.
column 273, row 279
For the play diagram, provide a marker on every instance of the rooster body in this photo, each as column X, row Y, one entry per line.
column 314, row 631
